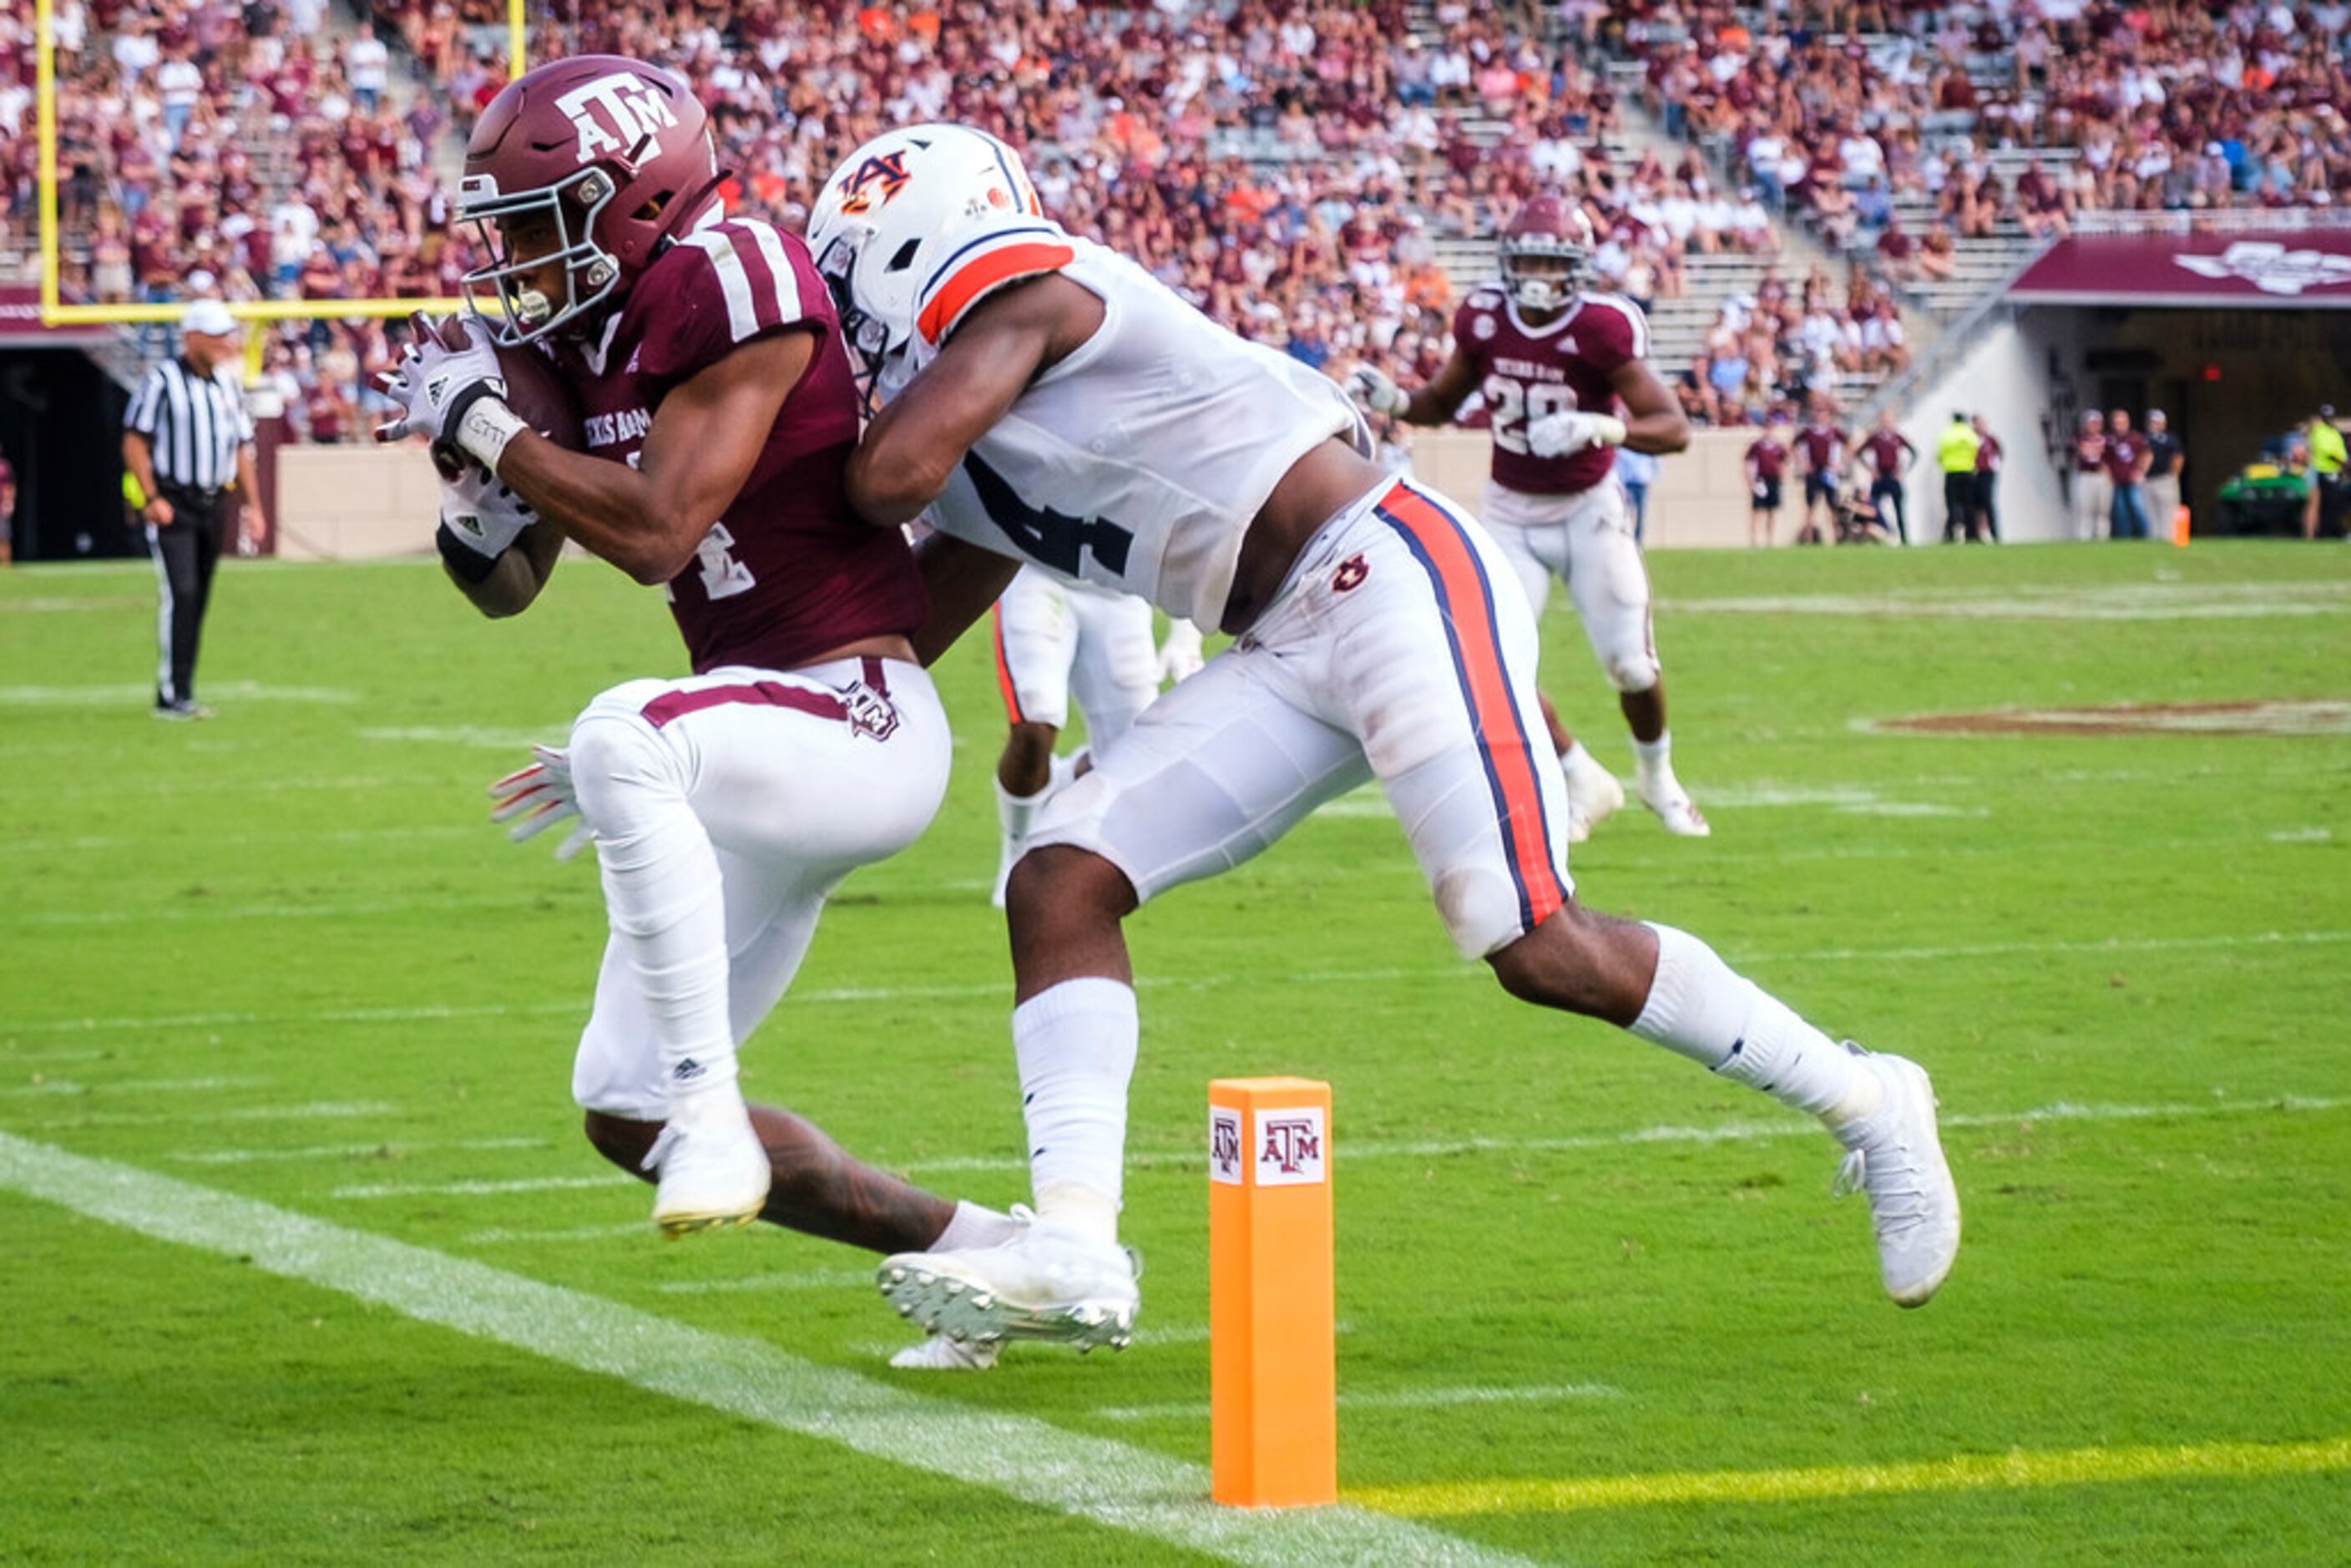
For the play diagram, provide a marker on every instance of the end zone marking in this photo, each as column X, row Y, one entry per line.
column 1962, row 1472
column 1034, row 1462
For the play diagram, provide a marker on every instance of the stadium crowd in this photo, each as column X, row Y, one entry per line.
column 1292, row 166
column 1844, row 106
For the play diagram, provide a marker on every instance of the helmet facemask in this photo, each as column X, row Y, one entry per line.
column 591, row 274
column 1558, row 280
column 881, row 362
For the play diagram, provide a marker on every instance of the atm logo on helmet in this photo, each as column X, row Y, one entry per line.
column 619, row 115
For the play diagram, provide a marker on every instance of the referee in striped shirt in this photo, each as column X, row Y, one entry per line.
column 187, row 441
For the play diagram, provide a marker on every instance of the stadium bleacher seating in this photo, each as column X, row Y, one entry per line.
column 1326, row 177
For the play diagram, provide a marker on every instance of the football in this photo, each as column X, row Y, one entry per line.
column 536, row 390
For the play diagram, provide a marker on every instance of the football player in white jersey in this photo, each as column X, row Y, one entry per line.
column 1049, row 401
column 1554, row 362
column 1053, row 638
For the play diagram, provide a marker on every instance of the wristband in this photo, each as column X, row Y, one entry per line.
column 1607, row 430
column 483, row 424
column 464, row 560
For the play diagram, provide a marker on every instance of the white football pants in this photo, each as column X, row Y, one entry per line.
column 727, row 808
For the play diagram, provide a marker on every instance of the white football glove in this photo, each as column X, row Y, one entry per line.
column 1373, row 391
column 454, row 397
column 1179, row 656
column 541, row 795
column 480, row 517
column 1570, row 430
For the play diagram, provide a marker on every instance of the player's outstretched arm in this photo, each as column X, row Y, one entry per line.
column 1006, row 342
column 705, row 439
column 1441, row 399
column 1654, row 419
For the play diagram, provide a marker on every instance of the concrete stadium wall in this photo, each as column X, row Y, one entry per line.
column 362, row 502
column 2004, row 376
column 355, row 503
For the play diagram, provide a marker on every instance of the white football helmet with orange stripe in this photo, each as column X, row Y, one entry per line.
column 898, row 223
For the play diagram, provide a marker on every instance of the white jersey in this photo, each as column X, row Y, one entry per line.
column 1137, row 463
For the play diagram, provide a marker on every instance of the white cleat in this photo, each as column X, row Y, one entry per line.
column 936, row 1353
column 1592, row 794
column 1898, row 1158
column 714, row 1172
column 1674, row 809
column 1047, row 1284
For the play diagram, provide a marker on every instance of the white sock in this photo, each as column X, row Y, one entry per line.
column 1575, row 756
column 664, row 900
column 1701, row 1008
column 975, row 1227
column 1076, row 1044
column 1653, row 759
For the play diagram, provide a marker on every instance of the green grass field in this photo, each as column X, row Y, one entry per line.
column 277, row 997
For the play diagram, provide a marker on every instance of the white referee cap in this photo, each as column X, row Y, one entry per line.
column 209, row 317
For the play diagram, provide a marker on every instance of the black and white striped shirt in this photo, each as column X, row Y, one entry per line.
column 193, row 426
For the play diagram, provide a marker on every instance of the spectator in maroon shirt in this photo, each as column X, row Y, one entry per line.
column 1767, row 463
column 1989, row 455
column 1890, row 454
column 2127, row 468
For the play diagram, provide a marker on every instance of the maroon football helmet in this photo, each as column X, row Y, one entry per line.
column 1546, row 229
column 610, row 158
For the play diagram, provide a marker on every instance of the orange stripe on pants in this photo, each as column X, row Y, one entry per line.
column 1004, row 669
column 1465, row 593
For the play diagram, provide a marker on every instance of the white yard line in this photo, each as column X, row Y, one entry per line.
column 1111, row 1484
column 57, row 1086
column 1746, row 1132
column 501, row 1237
column 392, row 1148
column 1721, row 1132
column 479, row 1188
column 1394, row 1399
column 760, row 1284
column 822, row 996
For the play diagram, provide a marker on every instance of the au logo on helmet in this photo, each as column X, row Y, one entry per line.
column 877, row 180
column 635, row 111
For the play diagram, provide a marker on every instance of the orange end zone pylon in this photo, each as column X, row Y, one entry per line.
column 1273, row 1421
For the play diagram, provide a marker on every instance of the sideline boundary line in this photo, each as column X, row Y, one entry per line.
column 1107, row 1482
column 2016, row 1469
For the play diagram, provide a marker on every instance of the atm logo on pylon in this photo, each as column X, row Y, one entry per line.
column 1290, row 1147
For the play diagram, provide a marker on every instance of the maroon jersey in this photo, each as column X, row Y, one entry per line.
column 1766, row 461
column 787, row 572
column 1988, row 456
column 2122, row 458
column 1824, row 449
column 2090, row 453
column 1888, row 454
column 1526, row 373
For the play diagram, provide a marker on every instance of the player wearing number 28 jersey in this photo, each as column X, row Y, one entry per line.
column 1553, row 363
column 718, row 414
column 1053, row 401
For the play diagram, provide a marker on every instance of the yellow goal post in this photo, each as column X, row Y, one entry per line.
column 55, row 310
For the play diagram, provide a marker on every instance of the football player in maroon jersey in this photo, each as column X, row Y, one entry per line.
column 719, row 413
column 1554, row 362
